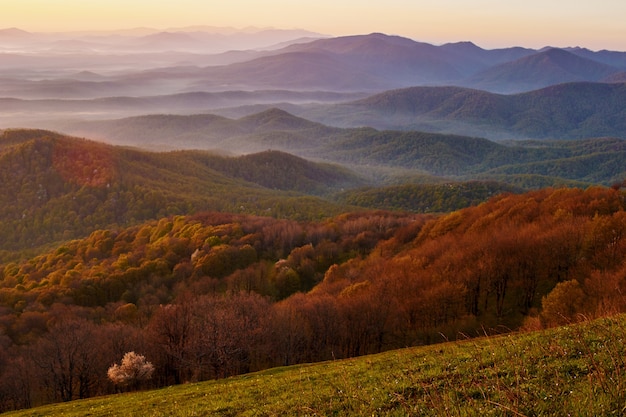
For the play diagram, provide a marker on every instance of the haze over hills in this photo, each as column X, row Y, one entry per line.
column 57, row 188
column 200, row 39
column 564, row 111
column 49, row 78
column 363, row 149
column 549, row 67
column 294, row 199
column 195, row 60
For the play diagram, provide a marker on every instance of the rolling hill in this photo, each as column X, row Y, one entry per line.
column 277, row 292
column 564, row 111
column 549, row 67
column 58, row 188
column 71, row 81
column 368, row 150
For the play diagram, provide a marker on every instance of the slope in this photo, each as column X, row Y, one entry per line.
column 548, row 67
column 368, row 150
column 58, row 188
column 379, row 280
column 564, row 371
column 204, row 131
column 565, row 111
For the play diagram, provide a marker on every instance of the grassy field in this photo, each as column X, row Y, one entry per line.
column 577, row 370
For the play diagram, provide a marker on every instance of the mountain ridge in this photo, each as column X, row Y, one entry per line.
column 562, row 111
column 548, row 67
column 57, row 187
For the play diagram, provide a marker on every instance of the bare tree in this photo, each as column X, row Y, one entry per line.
column 66, row 361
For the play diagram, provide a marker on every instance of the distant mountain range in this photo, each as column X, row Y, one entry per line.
column 78, row 83
column 378, row 62
column 564, row 111
column 198, row 39
column 179, row 61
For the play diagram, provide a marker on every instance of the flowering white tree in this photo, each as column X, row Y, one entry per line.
column 132, row 371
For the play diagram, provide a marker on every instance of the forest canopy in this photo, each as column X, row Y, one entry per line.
column 277, row 292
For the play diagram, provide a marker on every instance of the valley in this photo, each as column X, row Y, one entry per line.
column 233, row 204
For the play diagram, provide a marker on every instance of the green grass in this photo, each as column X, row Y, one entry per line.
column 577, row 370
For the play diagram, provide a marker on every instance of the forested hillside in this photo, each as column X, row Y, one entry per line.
column 425, row 198
column 459, row 157
column 57, row 188
column 309, row 201
column 213, row 294
column 574, row 110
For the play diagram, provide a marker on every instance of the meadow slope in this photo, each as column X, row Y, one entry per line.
column 572, row 370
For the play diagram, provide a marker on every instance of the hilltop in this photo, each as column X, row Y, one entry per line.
column 58, row 187
column 564, row 111
column 380, row 154
column 549, row 67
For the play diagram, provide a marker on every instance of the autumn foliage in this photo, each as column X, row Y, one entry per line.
column 214, row 295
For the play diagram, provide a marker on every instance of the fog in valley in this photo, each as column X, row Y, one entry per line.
column 84, row 83
column 50, row 77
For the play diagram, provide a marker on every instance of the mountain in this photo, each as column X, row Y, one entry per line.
column 195, row 60
column 549, row 67
column 271, row 128
column 389, row 57
column 356, row 63
column 282, row 171
column 53, row 113
column 277, row 119
column 572, row 110
column 470, row 58
column 302, row 70
column 619, row 77
column 14, row 34
column 613, row 58
column 388, row 155
column 58, row 188
column 377, row 61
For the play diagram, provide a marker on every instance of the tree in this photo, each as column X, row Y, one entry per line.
column 133, row 370
column 563, row 304
column 67, row 363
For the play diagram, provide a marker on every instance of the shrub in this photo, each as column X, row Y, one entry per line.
column 133, row 370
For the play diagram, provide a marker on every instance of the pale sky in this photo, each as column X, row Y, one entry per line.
column 599, row 24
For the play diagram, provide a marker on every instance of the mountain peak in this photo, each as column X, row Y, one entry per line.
column 14, row 33
column 546, row 67
column 461, row 45
column 277, row 119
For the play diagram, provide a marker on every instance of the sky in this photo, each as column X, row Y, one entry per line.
column 599, row 24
